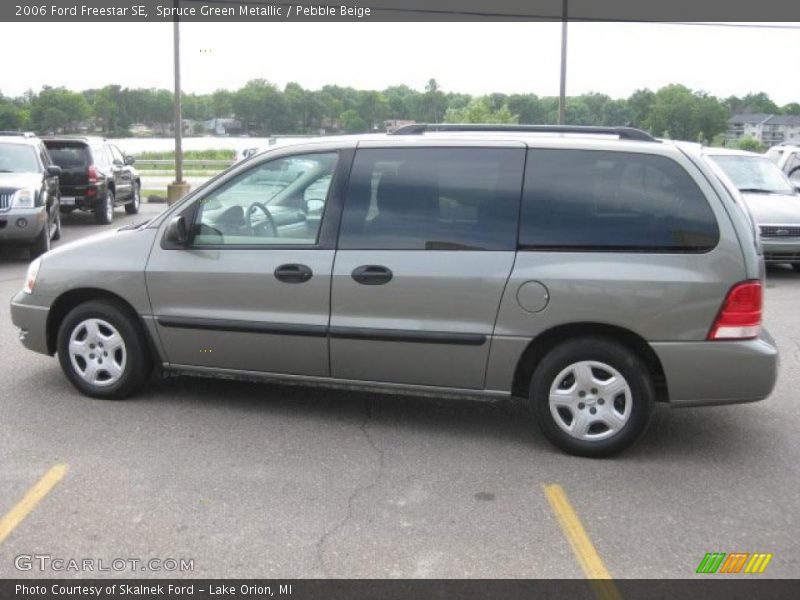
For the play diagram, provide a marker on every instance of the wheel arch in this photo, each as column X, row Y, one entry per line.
column 549, row 339
column 72, row 298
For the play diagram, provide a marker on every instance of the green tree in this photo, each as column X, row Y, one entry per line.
column 751, row 144
column 639, row 104
column 479, row 110
column 12, row 116
column 352, row 122
column 685, row 114
column 260, row 104
column 793, row 108
column 55, row 109
column 373, row 108
column 527, row 107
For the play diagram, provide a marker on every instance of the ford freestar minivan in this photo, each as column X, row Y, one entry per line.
column 591, row 271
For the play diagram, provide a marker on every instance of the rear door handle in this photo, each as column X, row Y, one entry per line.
column 293, row 273
column 372, row 275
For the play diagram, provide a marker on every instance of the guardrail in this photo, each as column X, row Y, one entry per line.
column 143, row 163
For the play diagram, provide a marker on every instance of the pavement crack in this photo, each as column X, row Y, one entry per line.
column 358, row 491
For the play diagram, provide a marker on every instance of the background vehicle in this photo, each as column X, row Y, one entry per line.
column 787, row 157
column 29, row 196
column 771, row 199
column 95, row 176
column 591, row 271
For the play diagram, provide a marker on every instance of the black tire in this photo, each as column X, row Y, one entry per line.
column 42, row 242
column 614, row 355
column 57, row 232
column 104, row 211
column 132, row 207
column 137, row 363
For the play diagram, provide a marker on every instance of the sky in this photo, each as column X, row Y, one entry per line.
column 474, row 58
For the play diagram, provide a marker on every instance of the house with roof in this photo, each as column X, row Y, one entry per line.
column 769, row 129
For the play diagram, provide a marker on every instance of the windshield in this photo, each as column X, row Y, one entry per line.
column 17, row 158
column 754, row 174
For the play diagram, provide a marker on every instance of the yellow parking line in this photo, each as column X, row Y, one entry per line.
column 17, row 514
column 582, row 546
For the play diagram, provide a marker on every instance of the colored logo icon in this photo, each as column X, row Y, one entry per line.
column 735, row 562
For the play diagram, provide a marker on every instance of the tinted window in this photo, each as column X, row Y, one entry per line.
column 275, row 203
column 590, row 199
column 433, row 199
column 68, row 156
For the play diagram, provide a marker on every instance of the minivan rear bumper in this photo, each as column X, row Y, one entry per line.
column 708, row 373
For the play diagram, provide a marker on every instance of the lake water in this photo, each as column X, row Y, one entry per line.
column 138, row 145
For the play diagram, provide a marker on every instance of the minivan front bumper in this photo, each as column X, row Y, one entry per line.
column 719, row 372
column 29, row 316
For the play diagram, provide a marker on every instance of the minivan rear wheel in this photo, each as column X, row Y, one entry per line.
column 592, row 397
column 103, row 351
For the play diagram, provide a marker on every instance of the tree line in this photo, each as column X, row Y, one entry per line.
column 262, row 108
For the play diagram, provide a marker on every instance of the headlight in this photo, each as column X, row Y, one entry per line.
column 22, row 199
column 30, row 278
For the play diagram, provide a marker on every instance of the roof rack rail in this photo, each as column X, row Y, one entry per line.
column 25, row 134
column 625, row 133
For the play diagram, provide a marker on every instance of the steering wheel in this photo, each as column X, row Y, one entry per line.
column 270, row 222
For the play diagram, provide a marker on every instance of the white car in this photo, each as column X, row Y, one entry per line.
column 787, row 157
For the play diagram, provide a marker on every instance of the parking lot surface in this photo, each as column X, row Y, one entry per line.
column 256, row 480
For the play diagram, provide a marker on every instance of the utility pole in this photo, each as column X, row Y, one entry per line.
column 562, row 97
column 179, row 188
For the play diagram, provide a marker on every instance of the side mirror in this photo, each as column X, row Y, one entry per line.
column 53, row 171
column 129, row 160
column 314, row 206
column 177, row 232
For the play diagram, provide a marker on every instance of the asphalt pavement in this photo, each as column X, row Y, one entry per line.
column 257, row 480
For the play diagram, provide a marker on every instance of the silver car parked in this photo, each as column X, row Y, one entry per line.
column 771, row 198
column 591, row 271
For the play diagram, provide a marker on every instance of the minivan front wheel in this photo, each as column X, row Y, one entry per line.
column 592, row 397
column 102, row 350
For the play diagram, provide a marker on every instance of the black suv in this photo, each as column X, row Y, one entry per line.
column 95, row 177
column 29, row 200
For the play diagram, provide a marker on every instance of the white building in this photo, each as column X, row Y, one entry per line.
column 768, row 129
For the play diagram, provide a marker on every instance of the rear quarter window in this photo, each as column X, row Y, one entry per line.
column 605, row 201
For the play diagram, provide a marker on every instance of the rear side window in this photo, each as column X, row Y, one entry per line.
column 433, row 199
column 604, row 201
column 68, row 156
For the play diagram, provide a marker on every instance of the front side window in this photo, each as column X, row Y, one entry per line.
column 602, row 200
column 116, row 155
column 279, row 202
column 433, row 199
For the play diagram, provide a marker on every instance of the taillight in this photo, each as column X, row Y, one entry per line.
column 740, row 317
column 92, row 174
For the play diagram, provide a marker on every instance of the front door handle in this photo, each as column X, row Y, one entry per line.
column 372, row 275
column 293, row 273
